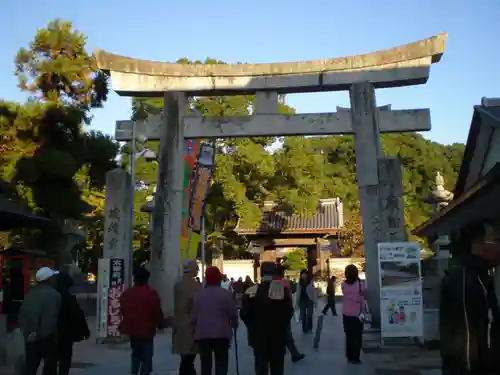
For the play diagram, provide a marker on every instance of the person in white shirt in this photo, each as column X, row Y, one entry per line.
column 226, row 284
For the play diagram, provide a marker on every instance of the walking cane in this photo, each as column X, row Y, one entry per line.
column 236, row 353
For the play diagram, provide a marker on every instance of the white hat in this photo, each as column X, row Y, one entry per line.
column 45, row 273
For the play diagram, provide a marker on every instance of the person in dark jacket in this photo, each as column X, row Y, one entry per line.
column 292, row 348
column 141, row 316
column 72, row 326
column 247, row 283
column 267, row 310
column 330, row 295
column 306, row 300
column 38, row 319
column 469, row 313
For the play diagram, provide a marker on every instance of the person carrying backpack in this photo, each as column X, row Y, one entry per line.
column 72, row 326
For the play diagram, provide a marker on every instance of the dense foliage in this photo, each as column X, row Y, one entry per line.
column 295, row 261
column 49, row 159
column 48, row 156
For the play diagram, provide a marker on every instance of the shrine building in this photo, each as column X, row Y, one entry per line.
column 281, row 231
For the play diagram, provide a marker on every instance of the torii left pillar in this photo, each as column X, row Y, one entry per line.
column 167, row 212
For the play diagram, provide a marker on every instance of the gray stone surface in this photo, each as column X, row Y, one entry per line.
column 431, row 372
column 117, row 225
column 328, row 359
column 404, row 65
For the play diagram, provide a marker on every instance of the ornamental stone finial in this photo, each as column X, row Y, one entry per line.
column 439, row 180
column 439, row 197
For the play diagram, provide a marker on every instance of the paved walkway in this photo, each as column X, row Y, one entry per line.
column 328, row 360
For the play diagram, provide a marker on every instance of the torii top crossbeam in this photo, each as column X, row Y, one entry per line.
column 400, row 66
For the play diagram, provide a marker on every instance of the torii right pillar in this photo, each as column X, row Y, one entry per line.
column 379, row 185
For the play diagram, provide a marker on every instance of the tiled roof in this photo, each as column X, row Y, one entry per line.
column 328, row 218
column 13, row 215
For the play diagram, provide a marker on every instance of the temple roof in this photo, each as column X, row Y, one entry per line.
column 327, row 219
column 14, row 215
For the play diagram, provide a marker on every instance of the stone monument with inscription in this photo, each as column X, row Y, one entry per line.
column 117, row 219
column 361, row 75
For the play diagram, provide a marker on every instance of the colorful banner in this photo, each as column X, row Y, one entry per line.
column 115, row 290
column 191, row 150
column 189, row 246
column 401, row 305
column 201, row 184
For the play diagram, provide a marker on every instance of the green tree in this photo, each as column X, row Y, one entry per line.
column 295, row 260
column 326, row 167
column 48, row 156
column 64, row 86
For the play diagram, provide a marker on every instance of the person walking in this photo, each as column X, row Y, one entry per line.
column 142, row 315
column 247, row 283
column 353, row 306
column 239, row 289
column 290, row 344
column 214, row 317
column 469, row 321
column 306, row 298
column 38, row 321
column 330, row 295
column 226, row 283
column 72, row 325
column 267, row 310
column 183, row 342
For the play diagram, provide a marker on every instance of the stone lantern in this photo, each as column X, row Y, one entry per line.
column 440, row 198
column 435, row 267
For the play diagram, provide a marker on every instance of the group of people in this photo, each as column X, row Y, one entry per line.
column 203, row 324
column 51, row 321
column 206, row 317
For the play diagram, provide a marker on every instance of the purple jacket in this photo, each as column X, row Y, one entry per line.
column 214, row 314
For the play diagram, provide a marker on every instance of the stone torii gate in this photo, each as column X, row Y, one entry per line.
column 379, row 178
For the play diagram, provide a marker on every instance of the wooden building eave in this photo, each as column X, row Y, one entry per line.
column 298, row 231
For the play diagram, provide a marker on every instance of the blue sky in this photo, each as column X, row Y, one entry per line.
column 278, row 31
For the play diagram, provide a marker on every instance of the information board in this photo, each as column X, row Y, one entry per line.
column 400, row 278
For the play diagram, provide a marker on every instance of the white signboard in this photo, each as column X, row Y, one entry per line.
column 400, row 278
column 103, row 276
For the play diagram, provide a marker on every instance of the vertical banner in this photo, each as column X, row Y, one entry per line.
column 201, row 184
column 116, row 288
column 191, row 150
column 103, row 272
column 400, row 278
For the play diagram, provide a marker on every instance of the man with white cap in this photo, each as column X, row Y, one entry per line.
column 38, row 319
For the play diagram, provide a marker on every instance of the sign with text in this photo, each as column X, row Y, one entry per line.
column 115, row 290
column 103, row 270
column 400, row 279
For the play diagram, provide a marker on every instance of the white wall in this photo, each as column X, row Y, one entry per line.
column 236, row 269
column 242, row 268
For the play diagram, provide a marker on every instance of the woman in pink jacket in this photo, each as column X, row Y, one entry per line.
column 353, row 307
